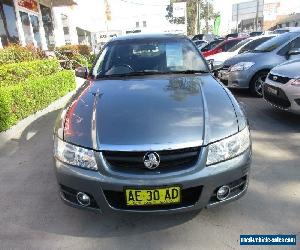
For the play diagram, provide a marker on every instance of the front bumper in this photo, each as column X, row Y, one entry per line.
column 285, row 97
column 239, row 79
column 206, row 180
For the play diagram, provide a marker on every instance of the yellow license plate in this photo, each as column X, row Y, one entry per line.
column 153, row 196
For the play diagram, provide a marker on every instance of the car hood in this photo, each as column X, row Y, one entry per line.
column 245, row 57
column 221, row 57
column 289, row 69
column 150, row 111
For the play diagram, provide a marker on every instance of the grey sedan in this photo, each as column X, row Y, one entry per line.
column 249, row 70
column 151, row 130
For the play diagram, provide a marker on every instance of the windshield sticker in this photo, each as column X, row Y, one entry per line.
column 174, row 55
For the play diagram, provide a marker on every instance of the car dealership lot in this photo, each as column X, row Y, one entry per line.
column 32, row 215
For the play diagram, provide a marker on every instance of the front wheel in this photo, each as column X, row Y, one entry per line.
column 256, row 84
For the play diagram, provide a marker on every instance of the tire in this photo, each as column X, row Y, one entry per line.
column 257, row 82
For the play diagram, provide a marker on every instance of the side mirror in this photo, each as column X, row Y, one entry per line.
column 214, row 66
column 293, row 52
column 81, row 72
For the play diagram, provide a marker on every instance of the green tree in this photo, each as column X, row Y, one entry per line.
column 206, row 13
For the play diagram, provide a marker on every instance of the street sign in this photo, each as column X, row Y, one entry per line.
column 179, row 9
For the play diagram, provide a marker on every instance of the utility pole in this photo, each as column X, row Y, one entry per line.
column 237, row 18
column 206, row 16
column 198, row 17
column 256, row 19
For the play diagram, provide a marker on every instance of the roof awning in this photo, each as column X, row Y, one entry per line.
column 58, row 3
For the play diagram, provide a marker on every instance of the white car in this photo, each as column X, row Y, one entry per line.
column 282, row 86
column 243, row 46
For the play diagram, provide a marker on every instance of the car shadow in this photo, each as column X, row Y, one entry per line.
column 36, row 197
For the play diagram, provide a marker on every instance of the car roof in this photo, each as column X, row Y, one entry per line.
column 140, row 36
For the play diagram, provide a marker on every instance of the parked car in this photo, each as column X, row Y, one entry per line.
column 211, row 45
column 286, row 29
column 200, row 43
column 249, row 70
column 223, row 46
column 243, row 46
column 282, row 86
column 151, row 131
column 256, row 33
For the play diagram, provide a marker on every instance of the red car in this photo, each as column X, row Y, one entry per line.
column 223, row 46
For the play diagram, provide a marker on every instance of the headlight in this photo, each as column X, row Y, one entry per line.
column 228, row 148
column 295, row 82
column 74, row 155
column 241, row 66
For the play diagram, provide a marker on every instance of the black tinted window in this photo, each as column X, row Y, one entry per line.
column 276, row 42
column 147, row 55
column 253, row 44
column 230, row 44
column 295, row 44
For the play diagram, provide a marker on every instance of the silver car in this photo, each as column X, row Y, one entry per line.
column 151, row 130
column 249, row 70
column 282, row 86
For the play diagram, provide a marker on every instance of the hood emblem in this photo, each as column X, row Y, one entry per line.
column 151, row 160
column 275, row 78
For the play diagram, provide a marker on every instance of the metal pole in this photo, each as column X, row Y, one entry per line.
column 256, row 21
column 237, row 18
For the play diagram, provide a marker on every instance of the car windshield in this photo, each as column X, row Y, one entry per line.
column 240, row 44
column 149, row 56
column 275, row 42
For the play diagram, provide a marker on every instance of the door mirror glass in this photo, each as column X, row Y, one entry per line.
column 213, row 65
column 293, row 52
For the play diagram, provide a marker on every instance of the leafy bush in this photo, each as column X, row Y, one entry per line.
column 17, row 53
column 83, row 50
column 21, row 100
column 78, row 54
column 16, row 73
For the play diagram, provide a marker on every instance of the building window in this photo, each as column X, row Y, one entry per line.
column 48, row 26
column 65, row 22
column 26, row 28
column 84, row 36
column 144, row 24
column 8, row 27
column 31, row 29
column 137, row 24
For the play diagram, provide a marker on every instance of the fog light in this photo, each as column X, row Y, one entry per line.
column 223, row 192
column 83, row 199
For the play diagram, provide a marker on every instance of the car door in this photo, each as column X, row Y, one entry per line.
column 294, row 44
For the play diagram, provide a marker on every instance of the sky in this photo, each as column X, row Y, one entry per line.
column 126, row 12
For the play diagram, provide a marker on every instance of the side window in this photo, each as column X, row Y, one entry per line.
column 230, row 44
column 252, row 45
column 295, row 44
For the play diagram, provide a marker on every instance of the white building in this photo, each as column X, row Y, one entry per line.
column 44, row 23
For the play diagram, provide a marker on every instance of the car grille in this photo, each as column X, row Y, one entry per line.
column 280, row 100
column 280, row 79
column 189, row 197
column 169, row 159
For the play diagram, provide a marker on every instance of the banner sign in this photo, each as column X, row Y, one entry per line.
column 179, row 9
column 29, row 4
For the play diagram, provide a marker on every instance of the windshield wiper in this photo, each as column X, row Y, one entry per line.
column 135, row 73
column 188, row 72
column 153, row 72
